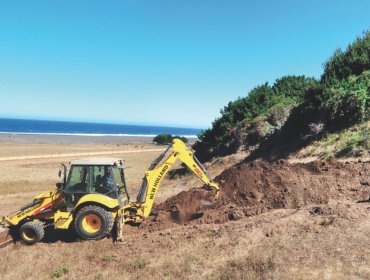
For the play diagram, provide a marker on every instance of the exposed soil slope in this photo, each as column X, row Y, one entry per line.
column 253, row 188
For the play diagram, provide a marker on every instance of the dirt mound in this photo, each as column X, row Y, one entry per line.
column 265, row 186
column 249, row 189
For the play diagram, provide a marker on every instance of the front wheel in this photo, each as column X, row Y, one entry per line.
column 32, row 232
column 93, row 222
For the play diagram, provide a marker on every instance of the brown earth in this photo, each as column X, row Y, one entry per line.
column 249, row 189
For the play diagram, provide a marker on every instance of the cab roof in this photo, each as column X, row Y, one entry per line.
column 97, row 161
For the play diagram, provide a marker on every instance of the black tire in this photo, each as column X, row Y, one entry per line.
column 32, row 232
column 93, row 222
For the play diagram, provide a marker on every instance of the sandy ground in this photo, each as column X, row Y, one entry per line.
column 75, row 139
column 71, row 139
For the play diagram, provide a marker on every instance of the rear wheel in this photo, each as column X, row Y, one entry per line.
column 32, row 232
column 93, row 222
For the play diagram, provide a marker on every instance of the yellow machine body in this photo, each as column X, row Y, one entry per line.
column 48, row 207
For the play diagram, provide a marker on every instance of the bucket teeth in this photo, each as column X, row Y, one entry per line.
column 5, row 237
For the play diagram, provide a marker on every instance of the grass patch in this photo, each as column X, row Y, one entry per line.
column 59, row 272
column 354, row 141
column 326, row 154
column 327, row 221
column 248, row 269
column 109, row 258
column 352, row 145
column 139, row 264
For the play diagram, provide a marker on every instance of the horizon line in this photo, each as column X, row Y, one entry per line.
column 100, row 122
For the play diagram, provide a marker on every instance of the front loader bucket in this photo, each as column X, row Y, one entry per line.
column 5, row 237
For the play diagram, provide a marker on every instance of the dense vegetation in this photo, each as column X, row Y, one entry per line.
column 165, row 139
column 295, row 109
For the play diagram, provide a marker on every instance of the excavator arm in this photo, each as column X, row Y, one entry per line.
column 156, row 172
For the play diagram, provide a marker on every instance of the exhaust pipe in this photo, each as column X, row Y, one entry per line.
column 5, row 237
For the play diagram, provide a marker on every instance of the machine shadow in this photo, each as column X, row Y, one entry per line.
column 54, row 235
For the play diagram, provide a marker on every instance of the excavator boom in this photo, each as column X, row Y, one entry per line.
column 156, row 172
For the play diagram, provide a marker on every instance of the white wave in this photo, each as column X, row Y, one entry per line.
column 90, row 134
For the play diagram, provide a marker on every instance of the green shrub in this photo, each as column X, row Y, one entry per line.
column 165, row 139
column 278, row 113
column 287, row 92
column 353, row 61
column 348, row 101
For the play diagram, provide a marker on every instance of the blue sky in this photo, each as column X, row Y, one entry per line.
column 160, row 62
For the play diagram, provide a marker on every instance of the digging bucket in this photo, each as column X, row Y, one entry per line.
column 5, row 237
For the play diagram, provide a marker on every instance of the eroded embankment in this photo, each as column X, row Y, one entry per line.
column 249, row 189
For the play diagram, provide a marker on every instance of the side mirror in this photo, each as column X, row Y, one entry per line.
column 59, row 173
column 60, row 186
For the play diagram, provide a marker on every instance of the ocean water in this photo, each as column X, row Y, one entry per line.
column 78, row 128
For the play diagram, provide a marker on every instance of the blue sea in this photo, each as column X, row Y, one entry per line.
column 20, row 126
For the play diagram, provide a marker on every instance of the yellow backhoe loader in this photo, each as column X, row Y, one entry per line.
column 93, row 198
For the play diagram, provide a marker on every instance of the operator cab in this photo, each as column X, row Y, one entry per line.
column 95, row 176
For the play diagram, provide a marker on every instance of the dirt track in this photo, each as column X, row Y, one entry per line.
column 77, row 154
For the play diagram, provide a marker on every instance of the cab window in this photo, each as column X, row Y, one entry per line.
column 98, row 174
column 78, row 179
column 104, row 181
column 118, row 177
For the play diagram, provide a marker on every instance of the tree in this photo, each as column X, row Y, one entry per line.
column 165, row 139
column 353, row 61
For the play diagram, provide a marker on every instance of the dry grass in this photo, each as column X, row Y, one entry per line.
column 283, row 244
column 352, row 142
column 16, row 149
